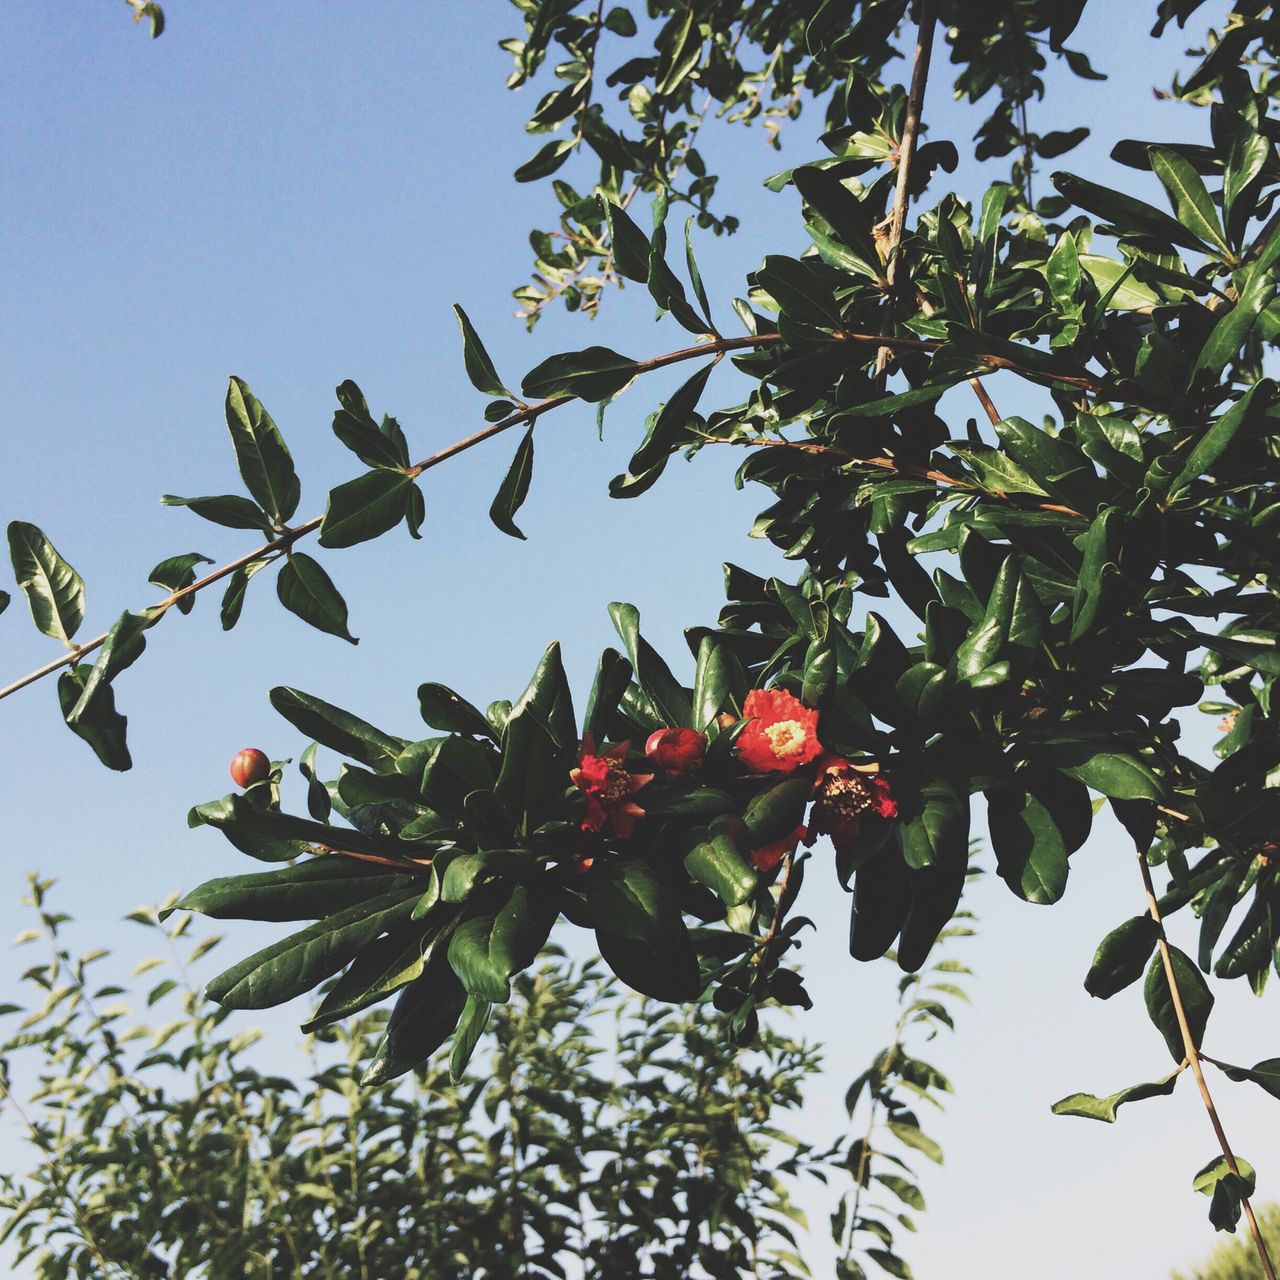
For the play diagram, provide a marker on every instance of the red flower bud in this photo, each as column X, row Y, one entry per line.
column 250, row 766
column 677, row 751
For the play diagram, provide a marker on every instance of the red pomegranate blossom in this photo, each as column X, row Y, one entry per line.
column 767, row 856
column 842, row 794
column 782, row 733
column 676, row 751
column 608, row 787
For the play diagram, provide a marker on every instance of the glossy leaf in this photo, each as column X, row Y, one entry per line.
column 338, row 729
column 261, row 454
column 514, row 488
column 103, row 727
column 1121, row 957
column 592, row 375
column 177, row 572
column 306, row 589
column 227, row 509
column 1197, row 1000
column 365, row 508
column 54, row 590
column 484, row 377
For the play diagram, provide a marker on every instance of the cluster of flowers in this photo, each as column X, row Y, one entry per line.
column 780, row 736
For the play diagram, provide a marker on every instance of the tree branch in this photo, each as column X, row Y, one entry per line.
column 1193, row 1060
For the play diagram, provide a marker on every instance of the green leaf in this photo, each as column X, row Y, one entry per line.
column 486, row 951
column 1031, row 855
column 996, row 472
column 237, row 586
column 630, row 245
column 475, row 1017
column 293, row 965
column 891, row 1263
column 1190, row 199
column 911, row 1136
column 1129, row 216
column 903, row 1188
column 652, row 673
column 424, row 1015
column 338, row 729
column 1197, row 1001
column 1121, row 957
column 596, row 373
column 1228, row 336
column 718, row 679
column 54, row 590
column 1227, row 1189
column 365, row 508
column 353, row 424
column 261, row 454
column 121, row 649
column 545, row 161
column 177, row 572
column 1248, row 155
column 514, row 488
column 718, row 864
column 845, row 214
column 227, row 509
column 1265, row 1074
column 1094, row 1108
column 1218, row 437
column 103, row 728
column 934, row 824
column 484, row 377
column 540, row 743
column 799, row 290
column 1115, row 774
column 669, row 429
column 613, row 675
column 449, row 712
column 304, row 891
column 1115, row 282
column 380, row 969
column 306, row 589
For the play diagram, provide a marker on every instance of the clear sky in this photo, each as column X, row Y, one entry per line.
column 295, row 194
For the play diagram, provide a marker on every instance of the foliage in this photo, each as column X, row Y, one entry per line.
column 1234, row 1259
column 604, row 1128
column 1078, row 582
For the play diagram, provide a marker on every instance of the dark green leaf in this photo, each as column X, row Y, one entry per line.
column 263, row 459
column 486, row 951
column 595, row 373
column 338, row 729
column 514, row 488
column 1030, row 852
column 1192, row 204
column 1121, row 957
column 54, row 590
column 304, row 891
column 295, row 964
column 652, row 673
column 1129, row 216
column 353, row 424
column 121, row 649
column 365, row 507
column 306, row 589
column 103, row 728
column 177, row 572
column 447, row 711
column 475, row 1017
column 1197, row 1001
column 484, row 377
column 425, row 1013
column 237, row 586
column 227, row 509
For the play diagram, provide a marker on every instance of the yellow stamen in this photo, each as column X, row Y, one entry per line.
column 787, row 737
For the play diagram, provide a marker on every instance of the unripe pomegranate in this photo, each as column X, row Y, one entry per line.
column 250, row 766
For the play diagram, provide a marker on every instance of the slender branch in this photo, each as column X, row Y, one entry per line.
column 1193, row 1059
column 906, row 154
column 530, row 413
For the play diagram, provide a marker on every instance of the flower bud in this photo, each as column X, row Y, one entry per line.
column 677, row 751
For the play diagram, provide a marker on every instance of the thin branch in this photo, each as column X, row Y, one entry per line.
column 1193, row 1059
column 906, row 154
column 531, row 413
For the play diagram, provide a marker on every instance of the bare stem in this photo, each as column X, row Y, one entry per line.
column 1193, row 1060
column 906, row 153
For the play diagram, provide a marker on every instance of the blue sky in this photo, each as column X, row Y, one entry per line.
column 296, row 194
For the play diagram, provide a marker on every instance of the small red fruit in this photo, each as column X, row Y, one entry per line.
column 250, row 766
column 676, row 751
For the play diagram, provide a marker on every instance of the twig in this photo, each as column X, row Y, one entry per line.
column 906, row 153
column 1193, row 1059
column 530, row 413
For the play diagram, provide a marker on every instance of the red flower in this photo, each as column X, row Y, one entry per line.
column 676, row 751
column 782, row 734
column 608, row 788
column 1228, row 722
column 843, row 792
column 767, row 856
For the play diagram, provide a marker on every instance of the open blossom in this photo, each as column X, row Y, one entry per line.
column 767, row 856
column 782, row 733
column 842, row 794
column 608, row 788
column 676, row 751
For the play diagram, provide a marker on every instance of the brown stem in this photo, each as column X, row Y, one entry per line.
column 906, row 153
column 531, row 413
column 1193, row 1060
column 985, row 400
column 406, row 865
